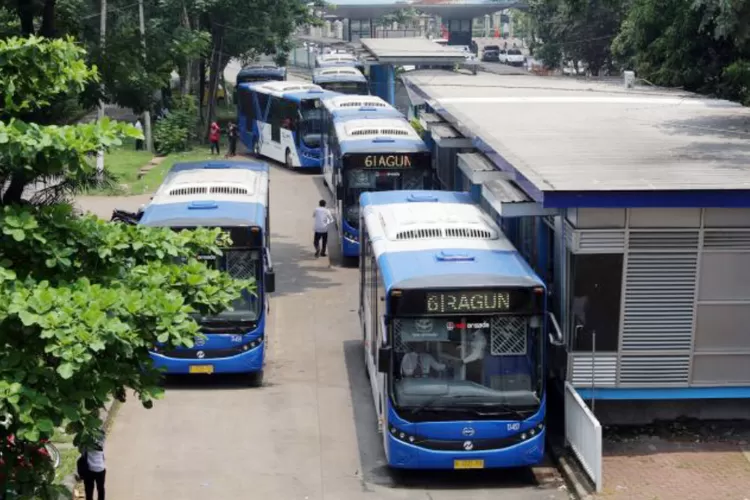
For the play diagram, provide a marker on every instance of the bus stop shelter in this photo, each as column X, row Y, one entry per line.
column 633, row 204
column 383, row 55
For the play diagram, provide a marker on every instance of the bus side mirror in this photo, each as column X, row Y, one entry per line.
column 384, row 359
column 556, row 337
column 339, row 192
column 270, row 281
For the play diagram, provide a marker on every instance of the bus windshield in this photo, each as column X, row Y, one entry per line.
column 351, row 88
column 477, row 363
column 311, row 125
column 358, row 181
column 241, row 264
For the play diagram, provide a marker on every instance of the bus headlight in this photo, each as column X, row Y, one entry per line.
column 351, row 237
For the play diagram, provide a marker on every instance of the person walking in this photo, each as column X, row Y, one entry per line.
column 234, row 133
column 323, row 220
column 139, row 142
column 93, row 470
column 214, row 136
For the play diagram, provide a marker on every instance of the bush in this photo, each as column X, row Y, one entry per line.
column 176, row 132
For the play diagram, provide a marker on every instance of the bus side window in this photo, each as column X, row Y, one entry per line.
column 374, row 343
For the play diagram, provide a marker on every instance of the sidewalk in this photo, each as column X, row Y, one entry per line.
column 686, row 461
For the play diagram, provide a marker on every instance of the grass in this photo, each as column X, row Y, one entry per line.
column 68, row 458
column 125, row 162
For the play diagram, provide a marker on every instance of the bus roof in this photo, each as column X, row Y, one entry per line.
column 434, row 239
column 205, row 213
column 362, row 134
column 262, row 69
column 338, row 74
column 254, row 165
column 337, row 57
column 354, row 107
column 293, row 91
column 230, row 196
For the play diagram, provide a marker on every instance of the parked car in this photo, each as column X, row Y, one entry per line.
column 491, row 53
column 502, row 56
column 514, row 57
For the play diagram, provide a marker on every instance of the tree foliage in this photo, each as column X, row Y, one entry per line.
column 82, row 302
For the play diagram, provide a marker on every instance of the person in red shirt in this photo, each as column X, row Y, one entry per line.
column 214, row 136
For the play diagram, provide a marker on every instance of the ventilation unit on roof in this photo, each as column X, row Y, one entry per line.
column 365, row 131
column 228, row 190
column 187, row 191
column 379, row 132
column 467, row 233
column 361, row 104
column 196, row 190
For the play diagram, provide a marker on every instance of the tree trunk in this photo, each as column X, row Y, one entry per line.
column 48, row 19
column 187, row 72
column 201, row 88
column 14, row 193
column 214, row 77
column 26, row 16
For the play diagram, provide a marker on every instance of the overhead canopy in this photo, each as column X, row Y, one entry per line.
column 447, row 9
column 410, row 51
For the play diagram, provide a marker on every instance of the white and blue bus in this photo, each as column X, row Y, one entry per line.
column 453, row 323
column 261, row 73
column 371, row 150
column 334, row 60
column 233, row 196
column 282, row 121
column 344, row 80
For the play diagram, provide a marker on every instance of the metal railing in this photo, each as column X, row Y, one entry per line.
column 583, row 433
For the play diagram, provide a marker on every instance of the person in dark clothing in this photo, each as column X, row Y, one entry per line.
column 95, row 471
column 234, row 134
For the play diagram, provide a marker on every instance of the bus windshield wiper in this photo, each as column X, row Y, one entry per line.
column 503, row 409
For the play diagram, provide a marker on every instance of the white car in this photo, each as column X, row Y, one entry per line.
column 514, row 57
column 502, row 56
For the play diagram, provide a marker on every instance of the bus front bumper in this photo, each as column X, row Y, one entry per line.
column 249, row 361
column 349, row 248
column 402, row 455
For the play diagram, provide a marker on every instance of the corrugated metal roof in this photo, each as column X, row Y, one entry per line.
column 564, row 134
column 411, row 50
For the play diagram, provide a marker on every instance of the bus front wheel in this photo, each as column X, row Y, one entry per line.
column 255, row 379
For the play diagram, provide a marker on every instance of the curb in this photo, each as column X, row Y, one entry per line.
column 69, row 481
column 571, row 473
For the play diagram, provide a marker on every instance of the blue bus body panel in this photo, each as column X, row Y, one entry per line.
column 518, row 453
column 376, row 146
column 185, row 214
column 236, row 361
column 260, row 71
column 399, row 267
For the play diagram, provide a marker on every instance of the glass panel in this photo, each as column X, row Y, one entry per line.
column 596, row 282
column 357, row 181
column 488, row 362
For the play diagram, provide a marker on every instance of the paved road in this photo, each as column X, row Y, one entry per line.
column 310, row 432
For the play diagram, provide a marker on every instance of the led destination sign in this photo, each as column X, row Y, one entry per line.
column 387, row 161
column 466, row 301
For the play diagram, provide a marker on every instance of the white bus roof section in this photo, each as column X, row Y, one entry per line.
column 337, row 57
column 387, row 127
column 344, row 71
column 354, row 101
column 236, row 185
column 564, row 134
column 280, row 88
column 406, row 227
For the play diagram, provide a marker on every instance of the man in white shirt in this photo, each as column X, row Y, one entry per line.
column 139, row 142
column 323, row 220
column 419, row 363
column 474, row 359
column 97, row 471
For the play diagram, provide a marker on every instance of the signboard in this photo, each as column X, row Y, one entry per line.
column 458, row 302
column 421, row 330
column 387, row 161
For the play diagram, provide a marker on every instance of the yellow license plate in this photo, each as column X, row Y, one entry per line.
column 201, row 369
column 468, row 464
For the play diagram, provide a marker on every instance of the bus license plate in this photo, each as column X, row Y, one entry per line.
column 201, row 369
column 468, row 464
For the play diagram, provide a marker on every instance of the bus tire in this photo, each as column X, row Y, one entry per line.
column 288, row 159
column 255, row 379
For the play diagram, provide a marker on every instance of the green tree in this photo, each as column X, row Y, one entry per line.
column 82, row 301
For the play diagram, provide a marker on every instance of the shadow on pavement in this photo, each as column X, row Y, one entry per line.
column 370, row 443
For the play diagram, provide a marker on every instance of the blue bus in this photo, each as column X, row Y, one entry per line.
column 282, row 121
column 343, row 80
column 453, row 324
column 233, row 196
column 337, row 59
column 261, row 73
column 375, row 149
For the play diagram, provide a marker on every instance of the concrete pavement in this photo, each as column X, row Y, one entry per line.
column 310, row 432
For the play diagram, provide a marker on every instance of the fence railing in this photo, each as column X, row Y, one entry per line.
column 583, row 433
